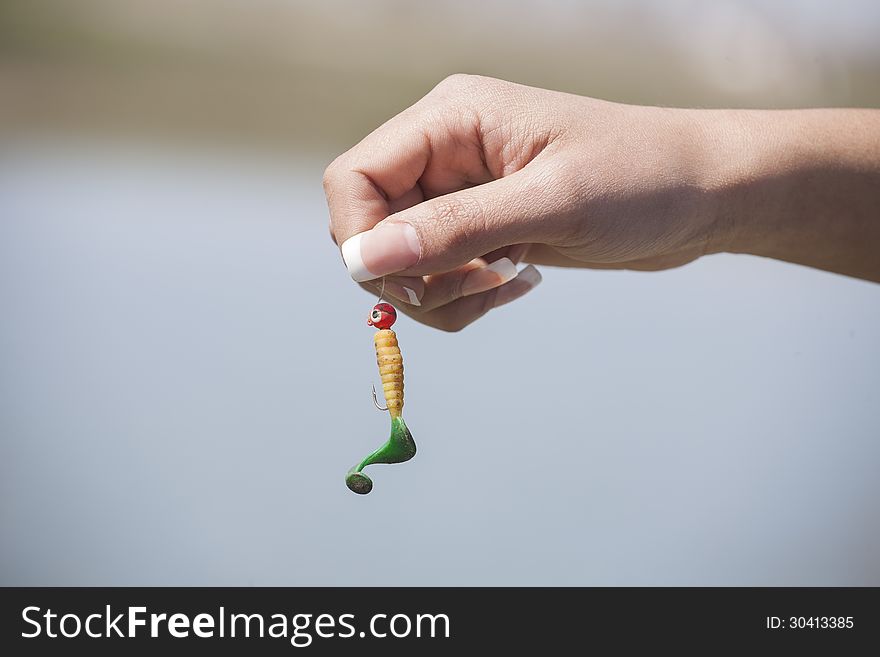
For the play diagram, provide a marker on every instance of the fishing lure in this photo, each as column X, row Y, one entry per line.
column 400, row 446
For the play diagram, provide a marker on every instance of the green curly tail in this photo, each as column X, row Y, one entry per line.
column 399, row 448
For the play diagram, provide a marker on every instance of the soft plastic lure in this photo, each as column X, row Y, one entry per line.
column 400, row 446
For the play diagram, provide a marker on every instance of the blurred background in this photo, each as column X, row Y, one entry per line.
column 171, row 412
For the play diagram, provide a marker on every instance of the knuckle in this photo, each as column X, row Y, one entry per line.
column 455, row 287
column 460, row 83
column 452, row 82
column 331, row 173
column 457, row 220
column 327, row 179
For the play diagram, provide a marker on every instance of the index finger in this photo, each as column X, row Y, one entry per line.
column 362, row 183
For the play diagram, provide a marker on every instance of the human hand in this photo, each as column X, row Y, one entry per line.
column 480, row 174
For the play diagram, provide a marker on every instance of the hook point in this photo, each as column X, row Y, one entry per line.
column 376, row 399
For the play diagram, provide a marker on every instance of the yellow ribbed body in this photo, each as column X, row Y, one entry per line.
column 390, row 369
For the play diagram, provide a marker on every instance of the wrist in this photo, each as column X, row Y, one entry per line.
column 737, row 167
column 775, row 179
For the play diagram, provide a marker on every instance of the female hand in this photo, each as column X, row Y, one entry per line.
column 480, row 174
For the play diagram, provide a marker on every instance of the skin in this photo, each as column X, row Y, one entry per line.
column 483, row 168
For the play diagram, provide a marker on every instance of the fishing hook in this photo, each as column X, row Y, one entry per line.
column 376, row 399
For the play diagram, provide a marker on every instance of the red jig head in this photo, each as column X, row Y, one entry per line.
column 382, row 316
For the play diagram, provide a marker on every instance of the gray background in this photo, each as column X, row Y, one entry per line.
column 186, row 380
column 185, row 365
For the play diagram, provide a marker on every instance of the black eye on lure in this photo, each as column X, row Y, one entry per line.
column 400, row 446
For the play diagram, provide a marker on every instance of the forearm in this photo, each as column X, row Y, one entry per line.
column 801, row 186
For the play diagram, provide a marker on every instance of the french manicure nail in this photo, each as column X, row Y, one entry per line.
column 397, row 290
column 413, row 299
column 488, row 277
column 527, row 279
column 386, row 249
column 402, row 292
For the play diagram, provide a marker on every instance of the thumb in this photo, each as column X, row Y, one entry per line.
column 449, row 231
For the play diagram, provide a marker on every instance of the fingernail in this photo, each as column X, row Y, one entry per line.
column 402, row 292
column 488, row 277
column 528, row 279
column 397, row 290
column 386, row 249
